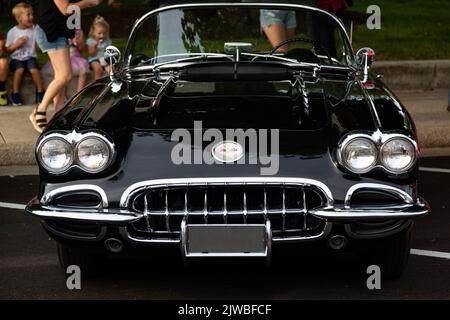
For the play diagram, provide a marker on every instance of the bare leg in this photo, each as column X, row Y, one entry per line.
column 63, row 74
column 36, row 75
column 82, row 78
column 4, row 67
column 97, row 69
column 276, row 34
column 17, row 79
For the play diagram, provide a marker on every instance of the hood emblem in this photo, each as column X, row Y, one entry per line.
column 227, row 151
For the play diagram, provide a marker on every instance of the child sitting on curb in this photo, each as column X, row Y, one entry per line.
column 21, row 44
column 3, row 72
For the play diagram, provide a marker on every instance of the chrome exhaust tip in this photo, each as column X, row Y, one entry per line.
column 114, row 245
column 337, row 242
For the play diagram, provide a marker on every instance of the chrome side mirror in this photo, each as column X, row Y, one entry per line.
column 112, row 56
column 365, row 57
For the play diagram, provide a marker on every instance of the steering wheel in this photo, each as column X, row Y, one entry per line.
column 313, row 43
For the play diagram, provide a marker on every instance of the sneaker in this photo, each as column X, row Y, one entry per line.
column 3, row 98
column 39, row 97
column 16, row 99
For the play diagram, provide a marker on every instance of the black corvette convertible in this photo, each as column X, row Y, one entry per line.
column 226, row 137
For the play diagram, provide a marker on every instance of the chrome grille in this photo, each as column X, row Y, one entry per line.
column 286, row 206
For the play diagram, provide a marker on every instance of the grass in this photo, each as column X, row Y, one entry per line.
column 411, row 29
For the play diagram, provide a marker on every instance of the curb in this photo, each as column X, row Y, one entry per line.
column 17, row 154
column 414, row 74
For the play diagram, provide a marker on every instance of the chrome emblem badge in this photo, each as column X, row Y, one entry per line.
column 227, row 151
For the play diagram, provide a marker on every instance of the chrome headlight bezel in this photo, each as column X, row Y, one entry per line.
column 379, row 140
column 70, row 154
column 73, row 139
column 346, row 143
column 409, row 166
column 101, row 140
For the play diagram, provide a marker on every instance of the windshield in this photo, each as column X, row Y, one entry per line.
column 239, row 33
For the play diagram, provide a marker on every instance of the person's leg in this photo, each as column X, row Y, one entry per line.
column 82, row 78
column 17, row 79
column 60, row 60
column 63, row 74
column 4, row 67
column 276, row 33
column 37, row 79
column 97, row 70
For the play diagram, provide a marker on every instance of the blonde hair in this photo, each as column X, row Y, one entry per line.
column 99, row 21
column 20, row 8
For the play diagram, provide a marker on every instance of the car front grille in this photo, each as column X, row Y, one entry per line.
column 285, row 206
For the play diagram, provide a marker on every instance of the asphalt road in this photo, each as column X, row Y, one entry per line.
column 29, row 268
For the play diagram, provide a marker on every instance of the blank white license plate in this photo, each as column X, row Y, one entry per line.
column 226, row 240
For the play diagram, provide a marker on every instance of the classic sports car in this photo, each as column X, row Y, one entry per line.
column 230, row 129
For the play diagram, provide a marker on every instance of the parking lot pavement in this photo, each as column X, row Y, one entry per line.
column 29, row 267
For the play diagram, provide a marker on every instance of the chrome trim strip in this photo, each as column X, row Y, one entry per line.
column 402, row 194
column 416, row 210
column 249, row 4
column 48, row 197
column 137, row 187
column 123, row 217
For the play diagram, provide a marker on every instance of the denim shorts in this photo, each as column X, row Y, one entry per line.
column 284, row 17
column 28, row 65
column 45, row 45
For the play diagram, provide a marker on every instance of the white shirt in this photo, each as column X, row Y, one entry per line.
column 28, row 50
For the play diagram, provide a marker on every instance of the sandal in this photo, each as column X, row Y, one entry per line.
column 39, row 120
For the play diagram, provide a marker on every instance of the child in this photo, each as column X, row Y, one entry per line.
column 80, row 65
column 21, row 44
column 97, row 42
column 3, row 72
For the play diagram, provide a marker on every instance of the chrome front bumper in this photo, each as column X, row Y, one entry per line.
column 330, row 214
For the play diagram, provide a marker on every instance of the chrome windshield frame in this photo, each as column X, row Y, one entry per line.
column 127, row 55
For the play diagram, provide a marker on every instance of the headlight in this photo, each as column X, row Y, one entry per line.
column 359, row 155
column 398, row 155
column 93, row 154
column 56, row 155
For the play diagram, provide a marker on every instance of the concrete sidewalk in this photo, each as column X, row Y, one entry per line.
column 429, row 110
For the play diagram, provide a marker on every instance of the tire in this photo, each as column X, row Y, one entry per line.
column 390, row 254
column 91, row 263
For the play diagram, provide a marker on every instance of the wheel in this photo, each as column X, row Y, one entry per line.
column 390, row 254
column 91, row 263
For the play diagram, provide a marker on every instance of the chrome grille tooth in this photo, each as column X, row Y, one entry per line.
column 186, row 213
column 265, row 204
column 305, row 210
column 205, row 209
column 166, row 205
column 283, row 210
column 147, row 220
column 245, row 207
column 225, row 211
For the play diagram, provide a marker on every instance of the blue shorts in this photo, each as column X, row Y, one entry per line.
column 42, row 41
column 284, row 17
column 28, row 65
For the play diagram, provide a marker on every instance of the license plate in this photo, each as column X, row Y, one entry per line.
column 239, row 240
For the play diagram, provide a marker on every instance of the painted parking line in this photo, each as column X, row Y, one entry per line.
column 12, row 206
column 438, row 170
column 428, row 253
